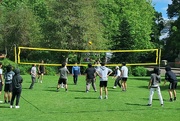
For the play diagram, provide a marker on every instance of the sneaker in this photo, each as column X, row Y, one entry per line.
column 106, row 97
column 5, row 101
column 162, row 105
column 95, row 90
column 11, row 106
column 114, row 87
column 170, row 100
column 149, row 105
column 174, row 98
column 41, row 81
column 1, row 101
column 17, row 106
column 87, row 91
column 100, row 97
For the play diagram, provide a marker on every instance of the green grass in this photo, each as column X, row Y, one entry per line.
column 43, row 103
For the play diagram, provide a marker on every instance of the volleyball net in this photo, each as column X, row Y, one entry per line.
column 54, row 57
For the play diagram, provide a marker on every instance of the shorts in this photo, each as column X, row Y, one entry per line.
column 89, row 81
column 8, row 87
column 124, row 79
column 173, row 85
column 1, row 86
column 103, row 84
column 60, row 81
column 40, row 73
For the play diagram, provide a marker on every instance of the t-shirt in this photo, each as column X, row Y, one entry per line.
column 90, row 73
column 8, row 77
column 75, row 70
column 1, row 72
column 170, row 76
column 124, row 70
column 117, row 73
column 63, row 72
column 155, row 80
column 33, row 71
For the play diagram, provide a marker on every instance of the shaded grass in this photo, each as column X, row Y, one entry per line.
column 44, row 103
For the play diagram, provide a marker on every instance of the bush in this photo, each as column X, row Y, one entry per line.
column 139, row 71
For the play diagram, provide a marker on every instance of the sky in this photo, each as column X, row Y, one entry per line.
column 161, row 6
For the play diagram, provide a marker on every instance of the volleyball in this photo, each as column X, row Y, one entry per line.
column 90, row 43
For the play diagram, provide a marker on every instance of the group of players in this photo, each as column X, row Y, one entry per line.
column 13, row 80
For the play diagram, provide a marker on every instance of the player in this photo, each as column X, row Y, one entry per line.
column 8, row 76
column 41, row 71
column 124, row 75
column 117, row 77
column 103, row 72
column 154, row 86
column 171, row 77
column 63, row 77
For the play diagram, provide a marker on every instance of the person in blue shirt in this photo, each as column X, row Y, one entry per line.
column 75, row 73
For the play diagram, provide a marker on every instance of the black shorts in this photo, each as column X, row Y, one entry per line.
column 124, row 79
column 1, row 86
column 40, row 73
column 173, row 85
column 60, row 81
column 103, row 84
column 8, row 87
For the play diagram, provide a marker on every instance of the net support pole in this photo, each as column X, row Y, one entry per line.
column 159, row 57
column 15, row 54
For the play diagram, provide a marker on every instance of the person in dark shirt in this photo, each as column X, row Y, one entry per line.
column 41, row 71
column 8, row 76
column 90, row 77
column 171, row 77
column 16, row 88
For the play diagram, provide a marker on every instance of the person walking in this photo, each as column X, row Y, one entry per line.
column 172, row 79
column 75, row 73
column 103, row 72
column 33, row 75
column 1, row 79
column 90, row 77
column 117, row 77
column 63, row 77
column 16, row 88
column 154, row 86
column 124, row 75
column 8, row 76
column 41, row 71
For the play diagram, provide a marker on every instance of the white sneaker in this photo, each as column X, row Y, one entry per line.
column 114, row 87
column 106, row 97
column 1, row 101
column 17, row 106
column 100, row 97
column 11, row 106
column 41, row 81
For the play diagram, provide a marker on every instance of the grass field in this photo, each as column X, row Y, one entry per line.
column 43, row 103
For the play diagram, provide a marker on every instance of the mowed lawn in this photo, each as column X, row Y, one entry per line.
column 43, row 103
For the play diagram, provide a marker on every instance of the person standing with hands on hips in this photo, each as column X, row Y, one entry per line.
column 103, row 72
column 171, row 77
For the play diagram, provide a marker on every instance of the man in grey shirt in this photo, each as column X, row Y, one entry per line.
column 63, row 76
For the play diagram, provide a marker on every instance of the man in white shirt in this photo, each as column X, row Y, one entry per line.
column 124, row 75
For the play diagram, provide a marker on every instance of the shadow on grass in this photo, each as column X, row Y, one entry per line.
column 161, row 87
column 136, row 104
column 140, row 78
column 2, row 106
column 85, row 98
